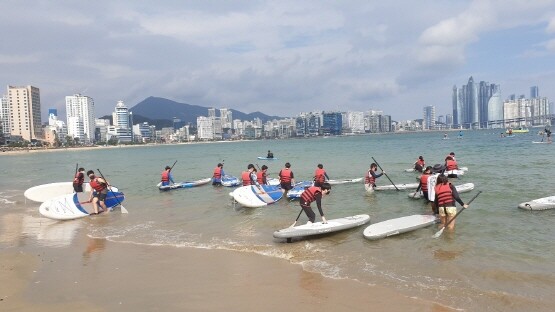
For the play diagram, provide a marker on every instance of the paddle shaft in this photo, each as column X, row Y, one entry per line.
column 170, row 167
column 385, row 174
column 298, row 216
column 123, row 210
column 458, row 213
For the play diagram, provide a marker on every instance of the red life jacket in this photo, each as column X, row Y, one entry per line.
column 369, row 179
column 246, row 176
column 165, row 176
column 79, row 178
column 97, row 185
column 285, row 175
column 217, row 173
column 444, row 194
column 309, row 195
column 451, row 165
column 421, row 162
column 319, row 175
column 261, row 177
column 424, row 182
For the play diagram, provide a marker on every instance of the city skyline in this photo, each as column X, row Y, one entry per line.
column 278, row 57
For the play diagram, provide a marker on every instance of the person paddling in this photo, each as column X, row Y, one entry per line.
column 446, row 195
column 311, row 194
column 419, row 164
column 371, row 176
column 167, row 176
column 270, row 154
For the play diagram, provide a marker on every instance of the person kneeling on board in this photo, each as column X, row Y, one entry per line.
column 167, row 176
column 311, row 194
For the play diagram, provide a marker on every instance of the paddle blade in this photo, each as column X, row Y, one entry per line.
column 123, row 210
column 438, row 233
column 293, row 225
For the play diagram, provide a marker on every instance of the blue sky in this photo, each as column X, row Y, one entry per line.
column 277, row 57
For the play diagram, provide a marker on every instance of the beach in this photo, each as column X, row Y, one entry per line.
column 98, row 275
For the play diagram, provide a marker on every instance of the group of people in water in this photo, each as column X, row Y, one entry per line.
column 442, row 196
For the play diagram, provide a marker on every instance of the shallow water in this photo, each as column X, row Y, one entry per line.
column 499, row 258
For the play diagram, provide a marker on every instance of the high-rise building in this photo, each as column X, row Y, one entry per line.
column 534, row 92
column 495, row 111
column 24, row 106
column 123, row 121
column 5, row 116
column 332, row 123
column 80, row 117
column 429, row 117
column 470, row 104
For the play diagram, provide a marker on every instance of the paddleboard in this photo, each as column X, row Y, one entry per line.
column 266, row 158
column 73, row 206
column 298, row 189
column 344, row 181
column 43, row 192
column 461, row 188
column 398, row 226
column 456, row 171
column 391, row 187
column 273, row 181
column 317, row 228
column 541, row 142
column 250, row 196
column 539, row 204
column 184, row 184
column 464, row 169
column 230, row 181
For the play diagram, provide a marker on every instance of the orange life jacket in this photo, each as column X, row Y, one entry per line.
column 451, row 165
column 309, row 195
column 217, row 173
column 369, row 179
column 165, row 176
column 319, row 175
column 246, row 176
column 444, row 194
column 261, row 177
column 424, row 182
column 285, row 175
column 97, row 185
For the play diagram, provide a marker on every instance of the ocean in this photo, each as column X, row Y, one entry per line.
column 499, row 257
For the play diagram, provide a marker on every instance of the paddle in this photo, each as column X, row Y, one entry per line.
column 438, row 233
column 292, row 225
column 417, row 189
column 123, row 210
column 385, row 174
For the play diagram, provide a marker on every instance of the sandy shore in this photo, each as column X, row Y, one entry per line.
column 97, row 275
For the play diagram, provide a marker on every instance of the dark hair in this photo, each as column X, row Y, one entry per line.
column 81, row 169
column 420, row 157
column 429, row 168
column 168, row 167
column 220, row 165
column 325, row 186
column 373, row 165
column 287, row 165
column 448, row 158
column 90, row 172
column 264, row 167
column 250, row 166
column 320, row 166
column 452, row 153
column 442, row 179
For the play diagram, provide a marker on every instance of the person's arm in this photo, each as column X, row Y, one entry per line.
column 292, row 178
column 170, row 176
column 456, row 195
column 375, row 175
column 318, row 198
column 326, row 175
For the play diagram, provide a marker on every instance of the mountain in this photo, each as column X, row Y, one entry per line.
column 164, row 109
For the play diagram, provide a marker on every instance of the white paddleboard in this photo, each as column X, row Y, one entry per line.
column 74, row 206
column 316, row 228
column 461, row 188
column 343, row 181
column 41, row 193
column 398, row 226
column 392, row 187
column 539, row 204
column 541, row 142
column 250, row 196
column 456, row 171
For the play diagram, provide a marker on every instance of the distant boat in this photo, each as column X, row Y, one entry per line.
column 517, row 130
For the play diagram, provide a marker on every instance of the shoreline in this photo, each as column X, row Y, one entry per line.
column 99, row 275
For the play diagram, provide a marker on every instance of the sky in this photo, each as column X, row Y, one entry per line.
column 277, row 57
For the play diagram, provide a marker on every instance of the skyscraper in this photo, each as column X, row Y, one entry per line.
column 429, row 117
column 534, row 92
column 470, row 104
column 80, row 117
column 123, row 121
column 24, row 107
column 5, row 116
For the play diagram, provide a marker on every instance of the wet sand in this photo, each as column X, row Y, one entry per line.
column 98, row 275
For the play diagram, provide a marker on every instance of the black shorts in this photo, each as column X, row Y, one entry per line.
column 286, row 186
column 101, row 196
column 77, row 188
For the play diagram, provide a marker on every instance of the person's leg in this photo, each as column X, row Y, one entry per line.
column 309, row 213
column 95, row 204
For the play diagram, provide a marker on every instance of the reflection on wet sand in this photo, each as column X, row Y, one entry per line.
column 94, row 245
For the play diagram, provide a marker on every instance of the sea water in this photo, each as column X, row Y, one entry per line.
column 499, row 257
